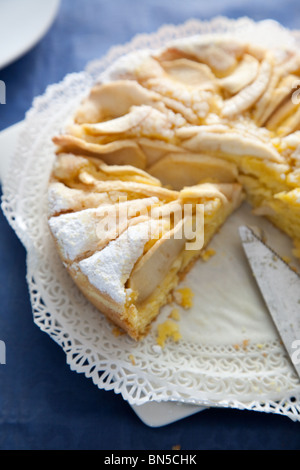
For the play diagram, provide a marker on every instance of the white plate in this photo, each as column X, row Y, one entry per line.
column 152, row 414
column 23, row 24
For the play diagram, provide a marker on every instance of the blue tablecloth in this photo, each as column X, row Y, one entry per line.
column 44, row 405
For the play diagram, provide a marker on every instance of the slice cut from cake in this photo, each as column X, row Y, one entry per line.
column 127, row 256
column 200, row 124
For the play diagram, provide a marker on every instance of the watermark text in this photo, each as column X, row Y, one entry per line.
column 296, row 354
column 2, row 353
column 2, row 92
column 174, row 220
column 296, row 93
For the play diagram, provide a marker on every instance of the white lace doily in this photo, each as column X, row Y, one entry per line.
column 229, row 355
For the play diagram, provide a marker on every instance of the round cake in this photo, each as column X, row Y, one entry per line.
column 159, row 154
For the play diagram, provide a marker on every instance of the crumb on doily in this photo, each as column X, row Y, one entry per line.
column 242, row 345
column 207, row 254
column 184, row 297
column 117, row 331
column 174, row 315
column 168, row 329
column 132, row 359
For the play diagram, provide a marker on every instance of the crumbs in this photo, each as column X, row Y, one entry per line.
column 117, row 331
column 132, row 359
column 167, row 329
column 184, row 297
column 207, row 254
column 175, row 315
column 243, row 345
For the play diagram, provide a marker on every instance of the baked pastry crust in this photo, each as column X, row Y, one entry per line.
column 206, row 122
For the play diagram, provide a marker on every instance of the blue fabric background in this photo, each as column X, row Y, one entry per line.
column 43, row 405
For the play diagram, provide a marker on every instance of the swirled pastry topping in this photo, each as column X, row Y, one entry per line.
column 206, row 121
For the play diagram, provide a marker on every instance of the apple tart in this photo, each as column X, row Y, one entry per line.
column 159, row 154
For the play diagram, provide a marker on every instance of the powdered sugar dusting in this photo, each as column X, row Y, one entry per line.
column 75, row 232
column 78, row 232
column 109, row 269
